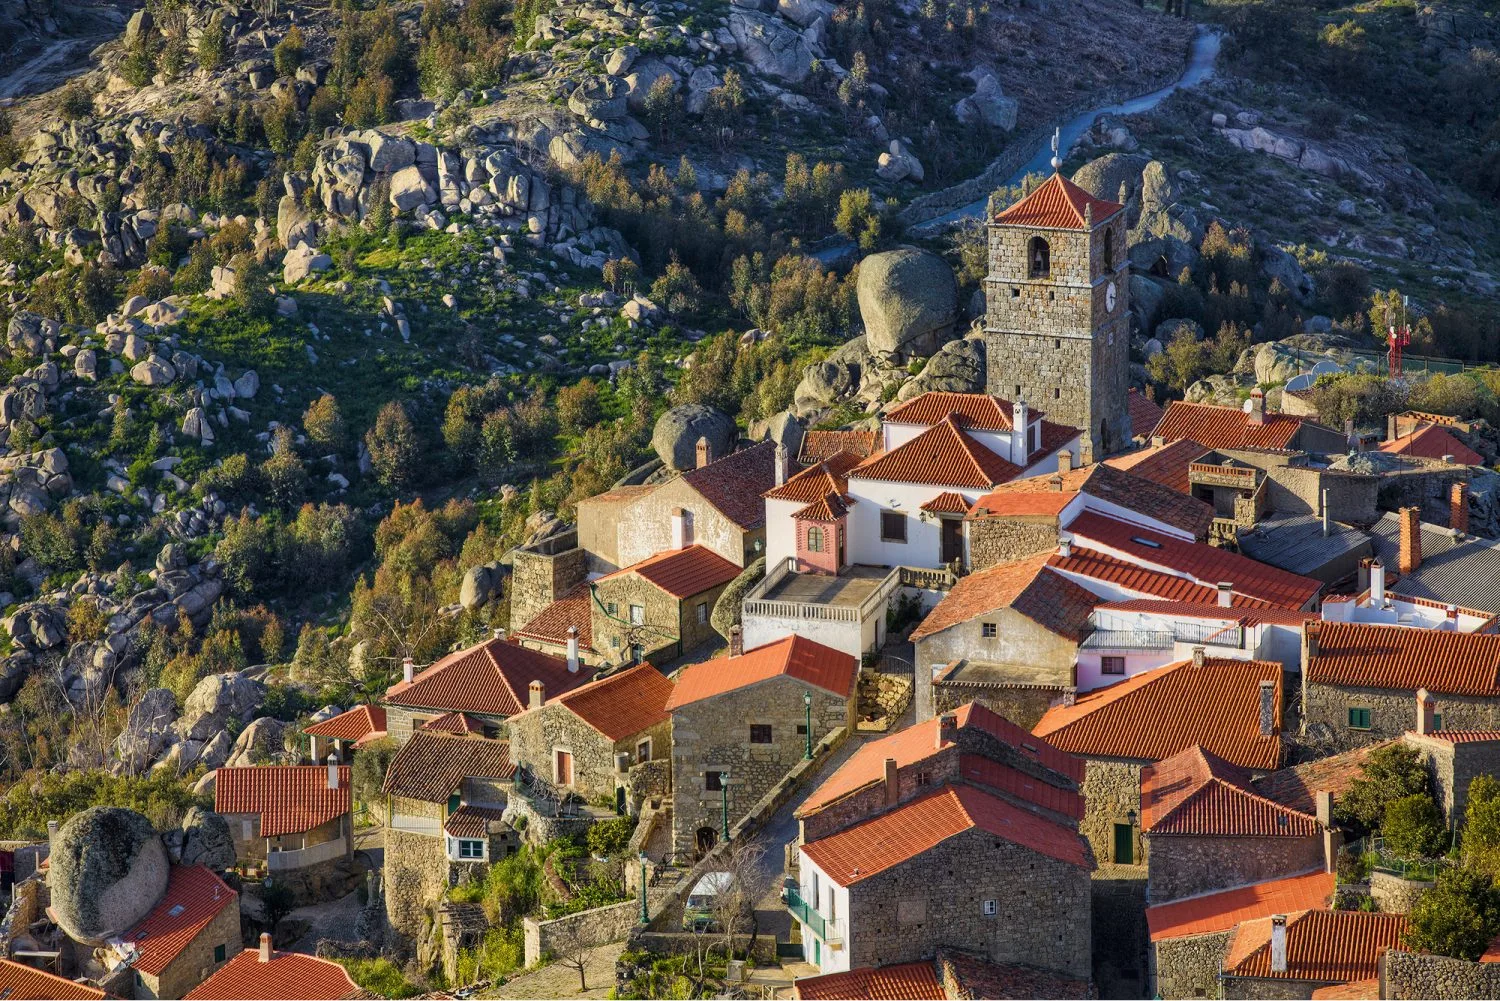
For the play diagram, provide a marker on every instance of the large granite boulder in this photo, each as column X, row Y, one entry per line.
column 834, row 379
column 108, row 869
column 1112, row 175
column 216, row 699
column 908, row 299
column 958, row 367
column 773, row 46
column 677, row 431
column 203, row 839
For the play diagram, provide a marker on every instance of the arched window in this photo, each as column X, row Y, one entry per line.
column 814, row 539
column 1039, row 257
column 1109, row 250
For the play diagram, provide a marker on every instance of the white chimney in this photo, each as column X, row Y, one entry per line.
column 265, row 947
column 1325, row 514
column 679, row 528
column 1452, row 622
column 333, row 771
column 1198, row 654
column 408, row 668
column 1020, row 445
column 536, row 694
column 1226, row 594
column 1278, row 943
column 1377, row 584
column 1065, row 546
column 781, row 461
column 572, row 649
column 498, row 632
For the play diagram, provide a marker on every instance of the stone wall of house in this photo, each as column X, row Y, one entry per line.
column 1427, row 486
column 1407, row 975
column 416, row 877
column 713, row 734
column 597, row 926
column 645, row 526
column 196, row 962
column 1022, row 652
column 542, row 574
column 599, row 529
column 937, row 899
column 1022, row 706
column 1188, row 967
column 1453, row 767
column 670, row 627
column 1111, row 793
column 1296, row 490
column 1001, row 540
column 1395, row 895
column 1119, row 918
column 1269, row 989
column 911, row 782
column 1392, row 713
column 1186, row 865
column 537, row 734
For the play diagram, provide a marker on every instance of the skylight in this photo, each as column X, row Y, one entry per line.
column 1145, row 542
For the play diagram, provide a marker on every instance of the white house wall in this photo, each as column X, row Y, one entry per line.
column 828, row 898
column 853, row 638
column 923, row 546
column 781, row 531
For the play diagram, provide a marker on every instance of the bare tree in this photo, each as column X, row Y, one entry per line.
column 573, row 952
column 734, row 904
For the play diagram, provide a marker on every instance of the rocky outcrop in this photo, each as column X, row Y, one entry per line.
column 908, row 300
column 203, row 839
column 108, row 869
column 987, row 106
column 772, row 46
column 675, row 437
column 958, row 367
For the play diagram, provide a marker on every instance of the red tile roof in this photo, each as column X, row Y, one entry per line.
column 454, row 723
column 1433, row 443
column 1165, row 464
column 978, row 411
column 901, row 982
column 622, row 704
column 1228, row 427
column 1466, row 736
column 735, row 483
column 828, row 477
column 1298, row 785
column 919, row 742
column 361, row 725
column 1222, row 910
column 889, row 839
column 820, row 445
column 1158, row 713
column 490, row 678
column 795, row 656
column 289, row 798
column 287, row 975
column 943, row 455
column 1195, row 792
column 971, row 977
column 1058, row 203
column 432, row 766
column 470, row 821
column 1001, row 503
column 573, row 609
column 19, row 982
column 947, row 502
column 1204, row 563
column 1359, row 990
column 1016, row 784
column 1112, row 486
column 1405, row 659
column 194, row 898
column 829, row 507
column 1329, row 946
column 1129, row 577
column 1028, row 587
column 1144, row 414
column 1212, row 610
column 681, row 573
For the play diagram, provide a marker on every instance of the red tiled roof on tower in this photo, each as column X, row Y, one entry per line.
column 289, row 798
column 1430, row 442
column 1058, row 203
column 361, row 725
column 1195, row 792
column 1228, row 427
column 829, row 507
column 1222, row 910
column 1027, row 587
column 19, row 982
column 795, row 656
column 572, row 610
column 285, row 975
column 490, row 678
column 943, row 455
column 820, row 445
column 622, row 704
column 734, row 483
column 682, row 573
column 1398, row 657
column 1327, row 946
column 194, row 897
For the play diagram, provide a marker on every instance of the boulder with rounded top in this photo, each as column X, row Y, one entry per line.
column 908, row 299
column 677, row 431
column 108, row 869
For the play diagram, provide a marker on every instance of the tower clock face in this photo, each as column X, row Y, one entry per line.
column 1109, row 297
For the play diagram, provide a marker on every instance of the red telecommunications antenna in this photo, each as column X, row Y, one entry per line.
column 1400, row 337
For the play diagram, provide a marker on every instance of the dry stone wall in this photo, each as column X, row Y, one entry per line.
column 1188, row 967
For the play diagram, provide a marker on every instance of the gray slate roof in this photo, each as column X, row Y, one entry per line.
column 1462, row 571
column 1298, row 545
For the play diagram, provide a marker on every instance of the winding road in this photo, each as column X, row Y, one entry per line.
column 15, row 83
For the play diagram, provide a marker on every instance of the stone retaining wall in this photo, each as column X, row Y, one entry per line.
column 1406, row 975
column 596, row 926
column 1395, row 895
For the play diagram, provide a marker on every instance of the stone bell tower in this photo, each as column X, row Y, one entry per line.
column 1056, row 326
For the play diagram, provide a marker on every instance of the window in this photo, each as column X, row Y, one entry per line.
column 1057, row 342
column 643, row 750
column 1111, row 665
column 612, row 608
column 802, row 729
column 988, row 630
column 702, row 612
column 637, row 615
column 1109, row 250
column 1015, row 293
column 814, row 539
column 1359, row 719
column 470, row 849
column 713, row 781
column 1057, row 394
column 760, row 733
column 1437, row 722
column 892, row 526
column 989, row 908
column 1038, row 258
column 219, row 952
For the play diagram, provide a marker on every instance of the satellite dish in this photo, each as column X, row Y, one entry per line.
column 1298, row 382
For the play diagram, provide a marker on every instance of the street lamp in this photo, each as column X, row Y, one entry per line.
column 724, row 790
column 645, row 914
column 807, row 704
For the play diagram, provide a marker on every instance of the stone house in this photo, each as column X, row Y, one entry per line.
column 190, row 933
column 1360, row 681
column 345, row 733
column 1190, row 937
column 487, row 682
column 1454, row 758
column 1292, row 955
column 1007, row 636
column 1421, row 438
column 1206, row 828
column 1252, row 429
column 660, row 607
column 264, row 973
column 739, row 724
column 21, row 982
column 563, row 625
column 950, row 976
column 594, row 739
column 290, row 816
column 1230, row 707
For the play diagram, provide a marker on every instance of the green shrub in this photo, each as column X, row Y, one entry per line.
column 380, row 976
column 1459, row 917
column 1413, row 827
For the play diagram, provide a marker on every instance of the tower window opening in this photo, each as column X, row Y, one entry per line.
column 1039, row 257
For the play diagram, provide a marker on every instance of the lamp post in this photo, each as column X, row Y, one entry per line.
column 645, row 914
column 807, row 704
column 724, row 790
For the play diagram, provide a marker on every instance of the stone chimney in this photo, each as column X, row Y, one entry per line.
column 1226, row 593
column 1390, row 427
column 1267, row 707
column 1349, row 438
column 1377, row 584
column 1069, row 697
column 679, row 528
column 1458, row 508
column 736, row 640
column 1198, row 652
column 1310, row 638
column 705, row 452
column 947, row 729
column 1278, row 943
column 408, row 669
column 572, row 649
column 333, row 770
column 1020, row 435
column 265, row 947
column 1257, row 411
column 1065, row 461
column 536, row 695
column 1323, row 807
column 892, row 782
column 1411, row 539
column 1333, row 840
column 499, row 633
column 1425, row 719
column 781, row 463
column 1055, row 481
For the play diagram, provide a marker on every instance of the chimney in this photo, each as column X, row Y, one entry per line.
column 1333, row 840
column 407, row 669
column 1449, row 458
column 1310, row 634
column 892, row 783
column 679, row 528
column 1198, row 656
column 1065, row 461
column 1267, row 707
column 1056, row 483
column 1226, row 593
column 736, row 640
column 51, row 832
column 1069, row 697
column 1020, row 435
column 572, row 649
column 536, row 695
column 1257, row 409
column 1349, row 433
column 1157, row 441
column 781, row 462
column 1325, row 514
column 333, row 770
column 1458, row 508
column 1377, row 584
column 498, row 632
column 947, row 729
column 265, row 947
column 1390, row 427
column 705, row 453
column 1278, row 943
column 1065, row 547
column 1323, row 800
column 1424, row 712
column 1411, row 539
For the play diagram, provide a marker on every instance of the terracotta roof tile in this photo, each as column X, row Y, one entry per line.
column 1212, row 610
column 820, row 445
column 1228, row 427
column 828, row 477
column 1205, row 564
column 194, row 897
column 796, row 656
column 1158, row 713
column 1166, row 464
column 1297, row 786
column 735, row 483
column 1195, row 792
column 979, row 411
column 682, row 573
column 1000, row 777
column 1222, row 910
column 1058, row 203
column 470, row 821
column 289, row 798
column 573, row 609
column 943, row 455
column 918, row 742
column 1144, row 414
column 1112, row 486
column 1358, row 990
column 1466, row 736
column 947, row 502
column 889, row 839
column 1028, row 587
column 287, row 975
column 1090, row 564
column 1405, row 659
column 19, row 982
column 432, row 766
column 490, row 678
column 461, row 723
column 1432, row 443
column 829, row 507
column 900, row 982
column 361, row 725
column 975, row 978
column 1032, row 502
column 1329, row 946
column 622, row 704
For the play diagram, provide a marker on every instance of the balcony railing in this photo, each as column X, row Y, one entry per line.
column 1209, row 474
column 299, row 857
column 808, row 915
column 1145, row 639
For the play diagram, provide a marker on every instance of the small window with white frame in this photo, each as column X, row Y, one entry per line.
column 1111, row 665
column 990, row 908
column 470, row 849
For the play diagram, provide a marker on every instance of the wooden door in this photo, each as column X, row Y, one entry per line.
column 953, row 540
column 564, row 768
